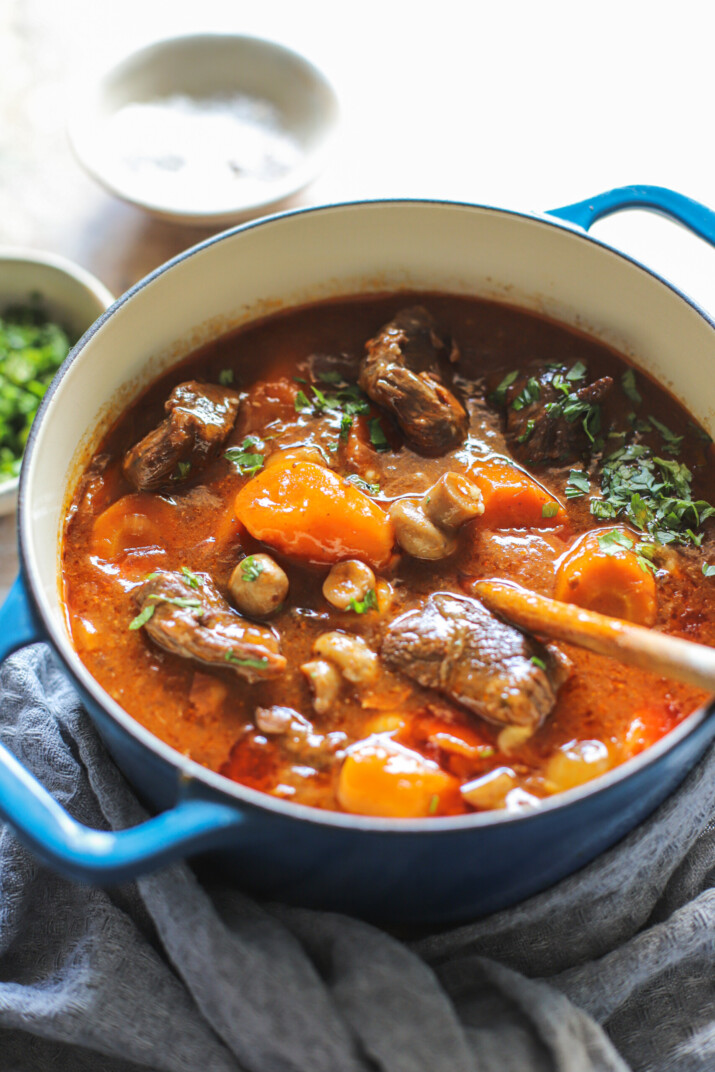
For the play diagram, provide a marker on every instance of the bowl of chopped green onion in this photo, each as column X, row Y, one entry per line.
column 46, row 304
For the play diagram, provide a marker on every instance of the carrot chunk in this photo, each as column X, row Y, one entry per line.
column 381, row 777
column 136, row 520
column 307, row 511
column 514, row 500
column 603, row 573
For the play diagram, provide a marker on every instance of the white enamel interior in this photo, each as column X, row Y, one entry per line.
column 292, row 259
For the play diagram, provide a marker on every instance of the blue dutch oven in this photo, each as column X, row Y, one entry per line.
column 439, row 870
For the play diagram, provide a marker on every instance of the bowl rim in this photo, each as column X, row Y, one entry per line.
column 84, row 279
column 191, row 775
column 304, row 171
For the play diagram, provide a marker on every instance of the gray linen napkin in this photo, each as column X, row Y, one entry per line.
column 612, row 969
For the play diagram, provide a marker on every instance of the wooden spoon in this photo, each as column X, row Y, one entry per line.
column 669, row 656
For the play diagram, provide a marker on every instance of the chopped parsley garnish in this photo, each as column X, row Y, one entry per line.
column 191, row 579
column 182, row 470
column 538, row 662
column 346, row 423
column 330, row 376
column 654, row 494
column 244, row 457
column 251, row 568
column 577, row 484
column 31, row 351
column 572, row 409
column 148, row 610
column 531, row 392
column 550, row 509
column 360, row 606
column 671, row 441
column 377, row 436
column 225, row 377
column 302, row 402
column 255, row 664
column 434, row 803
column 299, row 379
column 708, row 570
column 143, row 617
column 499, row 395
column 527, row 432
column 614, row 541
column 371, row 489
column 628, row 383
column 576, row 372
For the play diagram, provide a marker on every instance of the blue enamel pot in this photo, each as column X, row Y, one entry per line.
column 436, row 871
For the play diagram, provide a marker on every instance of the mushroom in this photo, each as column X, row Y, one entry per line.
column 416, row 534
column 348, row 583
column 353, row 658
column 453, row 501
column 258, row 585
column 325, row 680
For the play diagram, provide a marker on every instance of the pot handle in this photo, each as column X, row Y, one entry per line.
column 99, row 856
column 675, row 206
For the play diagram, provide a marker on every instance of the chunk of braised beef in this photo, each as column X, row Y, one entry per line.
column 453, row 644
column 401, row 371
column 197, row 623
column 199, row 419
column 553, row 414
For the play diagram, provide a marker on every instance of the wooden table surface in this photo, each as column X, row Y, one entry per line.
column 523, row 105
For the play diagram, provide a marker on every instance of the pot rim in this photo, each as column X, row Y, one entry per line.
column 189, row 773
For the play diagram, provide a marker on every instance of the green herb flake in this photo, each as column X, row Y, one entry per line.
column 31, row 350
column 377, row 436
column 527, row 432
column 191, row 579
column 182, row 470
column 576, row 372
column 251, row 568
column 538, row 662
column 254, row 664
column 346, row 423
column 708, row 570
column 498, row 396
column 225, row 377
column 330, row 376
column 614, row 541
column 246, row 460
column 299, row 379
column 671, row 441
column 628, row 383
column 577, row 484
column 370, row 489
column 362, row 605
column 550, row 509
column 302, row 402
column 143, row 617
column 531, row 392
column 434, row 804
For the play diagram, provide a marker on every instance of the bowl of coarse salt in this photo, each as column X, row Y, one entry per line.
column 206, row 129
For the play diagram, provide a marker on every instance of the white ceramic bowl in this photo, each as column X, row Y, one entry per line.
column 205, row 129
column 71, row 296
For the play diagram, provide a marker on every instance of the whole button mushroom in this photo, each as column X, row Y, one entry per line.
column 416, row 534
column 348, row 583
column 258, row 586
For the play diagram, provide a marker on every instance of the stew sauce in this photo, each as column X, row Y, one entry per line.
column 295, row 375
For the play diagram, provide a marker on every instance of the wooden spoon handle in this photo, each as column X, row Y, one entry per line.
column 662, row 654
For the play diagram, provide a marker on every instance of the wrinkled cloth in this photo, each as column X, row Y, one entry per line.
column 610, row 970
